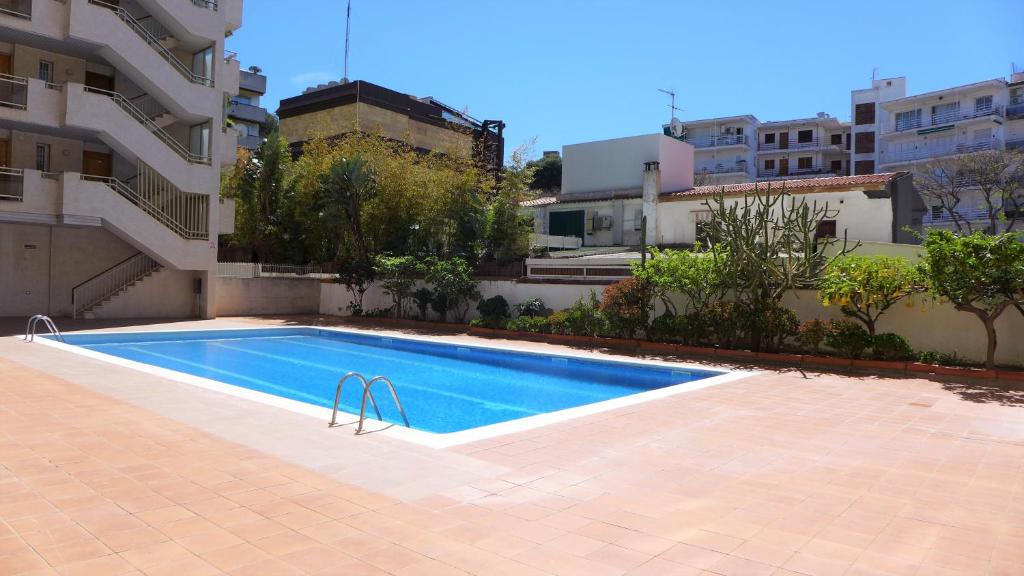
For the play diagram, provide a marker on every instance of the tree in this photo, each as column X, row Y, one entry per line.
column 257, row 183
column 546, row 174
column 454, row 286
column 983, row 186
column 397, row 275
column 692, row 273
column 508, row 230
column 978, row 273
column 769, row 245
column 865, row 287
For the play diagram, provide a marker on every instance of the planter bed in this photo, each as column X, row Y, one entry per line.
column 405, row 323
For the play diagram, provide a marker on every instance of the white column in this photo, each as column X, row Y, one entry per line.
column 652, row 189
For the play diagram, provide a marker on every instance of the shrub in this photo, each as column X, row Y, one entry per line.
column 773, row 323
column 940, row 358
column 668, row 328
column 422, row 297
column 889, row 346
column 538, row 324
column 532, row 307
column 865, row 287
column 626, row 305
column 811, row 334
column 495, row 322
column 726, row 323
column 397, row 278
column 584, row 318
column 454, row 286
column 848, row 338
column 696, row 328
column 494, row 307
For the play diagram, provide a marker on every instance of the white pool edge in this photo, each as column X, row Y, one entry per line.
column 428, row 439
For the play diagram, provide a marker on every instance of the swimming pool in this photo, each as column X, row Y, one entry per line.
column 443, row 387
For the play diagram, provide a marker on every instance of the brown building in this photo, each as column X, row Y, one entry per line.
column 423, row 123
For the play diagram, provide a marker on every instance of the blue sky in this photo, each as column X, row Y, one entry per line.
column 567, row 71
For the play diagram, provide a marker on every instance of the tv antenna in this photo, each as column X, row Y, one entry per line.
column 874, row 73
column 672, row 108
column 348, row 31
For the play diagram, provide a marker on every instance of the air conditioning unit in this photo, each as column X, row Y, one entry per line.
column 602, row 222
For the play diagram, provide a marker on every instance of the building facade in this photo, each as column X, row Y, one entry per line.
column 426, row 124
column 112, row 139
column 725, row 149
column 246, row 115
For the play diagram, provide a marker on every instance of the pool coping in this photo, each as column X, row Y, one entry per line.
column 428, row 439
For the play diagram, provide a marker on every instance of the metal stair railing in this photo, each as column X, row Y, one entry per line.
column 187, row 215
column 111, row 281
column 141, row 117
column 367, row 393
column 154, row 42
column 30, row 328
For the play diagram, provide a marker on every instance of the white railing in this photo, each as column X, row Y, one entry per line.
column 141, row 117
column 949, row 117
column 722, row 169
column 185, row 213
column 149, row 106
column 263, row 270
column 154, row 42
column 945, row 218
column 16, row 8
column 12, row 184
column 800, row 172
column 13, row 92
column 558, row 242
column 910, row 155
column 720, row 140
column 110, row 282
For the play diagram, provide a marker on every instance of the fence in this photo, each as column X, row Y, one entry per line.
column 264, row 270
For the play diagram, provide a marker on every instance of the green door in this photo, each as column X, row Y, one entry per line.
column 567, row 223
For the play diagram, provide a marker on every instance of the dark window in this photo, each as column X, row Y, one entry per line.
column 804, row 163
column 836, row 167
column 805, row 136
column 769, row 164
column 864, row 113
column 826, row 229
column 739, row 130
column 864, row 167
column 936, row 212
column 865, row 142
column 837, row 139
column 769, row 138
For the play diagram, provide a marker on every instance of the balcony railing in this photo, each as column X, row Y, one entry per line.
column 1017, row 144
column 16, row 8
column 927, row 153
column 13, row 92
column 208, row 4
column 723, row 169
column 12, row 184
column 247, row 112
column 796, row 145
column 1014, row 112
column 944, row 118
column 801, row 172
column 944, row 217
column 184, row 213
column 717, row 141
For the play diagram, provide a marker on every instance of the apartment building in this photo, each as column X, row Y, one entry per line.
column 426, row 124
column 725, row 149
column 112, row 140
column 803, row 148
column 245, row 114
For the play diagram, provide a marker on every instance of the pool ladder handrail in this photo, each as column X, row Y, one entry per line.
column 30, row 328
column 367, row 385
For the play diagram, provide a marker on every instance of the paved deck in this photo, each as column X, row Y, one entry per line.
column 106, row 471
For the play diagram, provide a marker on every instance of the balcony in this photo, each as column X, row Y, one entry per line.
column 718, row 141
column 946, row 118
column 250, row 142
column 12, row 184
column 254, row 82
column 1017, row 144
column 944, row 218
column 723, row 169
column 792, row 145
column 927, row 153
column 247, row 112
column 16, row 8
column 13, row 92
column 1015, row 111
column 814, row 172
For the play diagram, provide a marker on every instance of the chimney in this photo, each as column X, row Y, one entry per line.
column 652, row 190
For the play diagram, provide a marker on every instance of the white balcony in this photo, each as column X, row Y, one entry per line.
column 925, row 121
column 719, row 141
column 736, row 168
column 812, row 144
column 924, row 152
column 796, row 173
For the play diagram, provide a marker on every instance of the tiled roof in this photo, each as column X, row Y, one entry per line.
column 829, row 184
column 543, row 201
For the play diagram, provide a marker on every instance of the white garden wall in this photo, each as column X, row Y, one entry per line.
column 257, row 296
column 927, row 325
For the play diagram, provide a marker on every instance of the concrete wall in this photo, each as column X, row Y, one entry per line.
column 165, row 294
column 618, row 164
column 253, row 296
column 929, row 326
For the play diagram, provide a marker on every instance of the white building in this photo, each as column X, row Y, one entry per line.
column 112, row 139
column 724, row 148
column 804, row 148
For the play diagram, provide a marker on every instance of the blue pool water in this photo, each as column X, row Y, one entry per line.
column 443, row 387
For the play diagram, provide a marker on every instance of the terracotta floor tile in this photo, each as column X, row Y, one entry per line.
column 232, row 557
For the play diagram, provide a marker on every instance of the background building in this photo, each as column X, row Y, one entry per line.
column 724, row 148
column 426, row 124
column 112, row 138
column 246, row 115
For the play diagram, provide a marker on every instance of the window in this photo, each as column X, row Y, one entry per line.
column 937, row 212
column 837, row 139
column 805, row 163
column 983, row 104
column 908, row 120
column 1017, row 96
column 202, row 63
column 739, row 130
column 865, row 142
column 864, row 167
column 805, row 136
column 46, row 71
column 43, row 157
column 769, row 164
column 199, row 140
column 241, row 99
column 836, row 167
column 864, row 113
column 945, row 112
column 769, row 138
column 826, row 229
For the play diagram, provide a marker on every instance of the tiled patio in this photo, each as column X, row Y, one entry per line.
column 106, row 471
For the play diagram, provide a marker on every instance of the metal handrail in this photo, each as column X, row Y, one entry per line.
column 101, row 286
column 337, row 396
column 30, row 328
column 16, row 178
column 927, row 153
column 152, row 209
column 141, row 117
column 717, row 140
column 13, row 91
column 154, row 42
column 362, row 407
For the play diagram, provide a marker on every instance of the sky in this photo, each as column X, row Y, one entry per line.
column 566, row 71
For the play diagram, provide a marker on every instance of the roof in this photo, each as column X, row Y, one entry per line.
column 741, row 118
column 805, row 185
column 993, row 82
column 812, row 120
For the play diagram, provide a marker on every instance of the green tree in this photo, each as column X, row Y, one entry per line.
column 397, row 276
column 699, row 276
column 546, row 174
column 258, row 184
column 980, row 274
column 508, row 230
column 865, row 287
column 453, row 287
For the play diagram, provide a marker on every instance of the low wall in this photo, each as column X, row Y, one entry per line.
column 929, row 326
column 258, row 296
